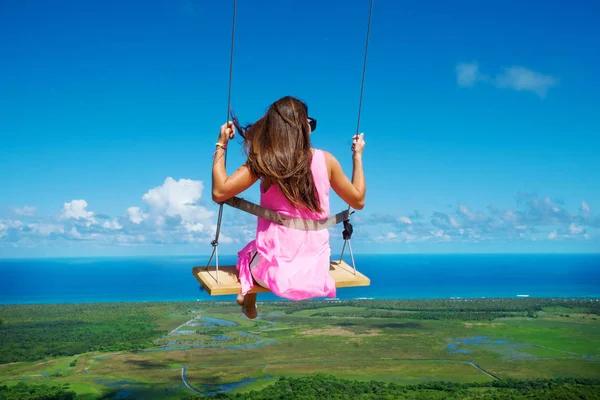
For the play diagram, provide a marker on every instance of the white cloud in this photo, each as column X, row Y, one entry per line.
column 532, row 219
column 13, row 224
column 468, row 74
column 223, row 237
column 576, row 230
column 389, row 237
column 249, row 233
column 453, row 222
column 464, row 210
column 585, row 208
column 27, row 211
column 74, row 233
column 76, row 209
column 517, row 78
column 404, row 220
column 136, row 215
column 194, row 227
column 510, row 216
column 441, row 235
column 524, row 79
column 124, row 239
column 112, row 225
column 44, row 229
column 171, row 213
column 444, row 221
column 178, row 199
column 401, row 237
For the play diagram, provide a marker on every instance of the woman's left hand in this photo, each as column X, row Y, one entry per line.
column 227, row 133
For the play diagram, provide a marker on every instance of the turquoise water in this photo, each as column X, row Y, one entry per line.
column 392, row 276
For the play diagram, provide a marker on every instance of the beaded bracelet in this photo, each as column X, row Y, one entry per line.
column 221, row 145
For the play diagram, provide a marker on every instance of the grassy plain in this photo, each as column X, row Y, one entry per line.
column 221, row 350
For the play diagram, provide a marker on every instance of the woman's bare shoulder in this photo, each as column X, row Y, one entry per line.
column 330, row 159
column 331, row 163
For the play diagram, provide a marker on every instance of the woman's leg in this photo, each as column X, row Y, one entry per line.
column 253, row 261
column 248, row 302
column 249, row 307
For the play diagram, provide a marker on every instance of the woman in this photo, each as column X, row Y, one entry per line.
column 295, row 181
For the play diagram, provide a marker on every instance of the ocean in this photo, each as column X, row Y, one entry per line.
column 132, row 279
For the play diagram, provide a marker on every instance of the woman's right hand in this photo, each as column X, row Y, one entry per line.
column 358, row 143
column 352, row 192
column 226, row 133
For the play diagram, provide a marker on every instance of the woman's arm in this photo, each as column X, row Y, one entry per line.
column 223, row 186
column 353, row 193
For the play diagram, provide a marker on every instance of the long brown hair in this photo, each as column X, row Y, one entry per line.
column 278, row 149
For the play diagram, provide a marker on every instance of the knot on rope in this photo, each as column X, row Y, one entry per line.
column 347, row 233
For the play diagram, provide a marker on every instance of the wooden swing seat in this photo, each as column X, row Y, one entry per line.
column 342, row 274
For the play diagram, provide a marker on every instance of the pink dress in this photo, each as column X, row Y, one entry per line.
column 294, row 264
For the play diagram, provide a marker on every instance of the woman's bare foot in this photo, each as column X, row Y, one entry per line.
column 249, row 306
column 240, row 299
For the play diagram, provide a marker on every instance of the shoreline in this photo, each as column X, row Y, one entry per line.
column 223, row 300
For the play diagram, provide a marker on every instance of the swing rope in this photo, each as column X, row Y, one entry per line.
column 215, row 243
column 347, row 233
column 362, row 83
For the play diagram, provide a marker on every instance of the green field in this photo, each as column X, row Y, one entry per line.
column 140, row 350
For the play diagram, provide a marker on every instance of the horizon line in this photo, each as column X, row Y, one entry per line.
column 333, row 254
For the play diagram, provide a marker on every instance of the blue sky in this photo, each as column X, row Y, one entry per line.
column 480, row 121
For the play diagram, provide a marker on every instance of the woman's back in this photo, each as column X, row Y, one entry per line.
column 274, row 199
column 293, row 263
